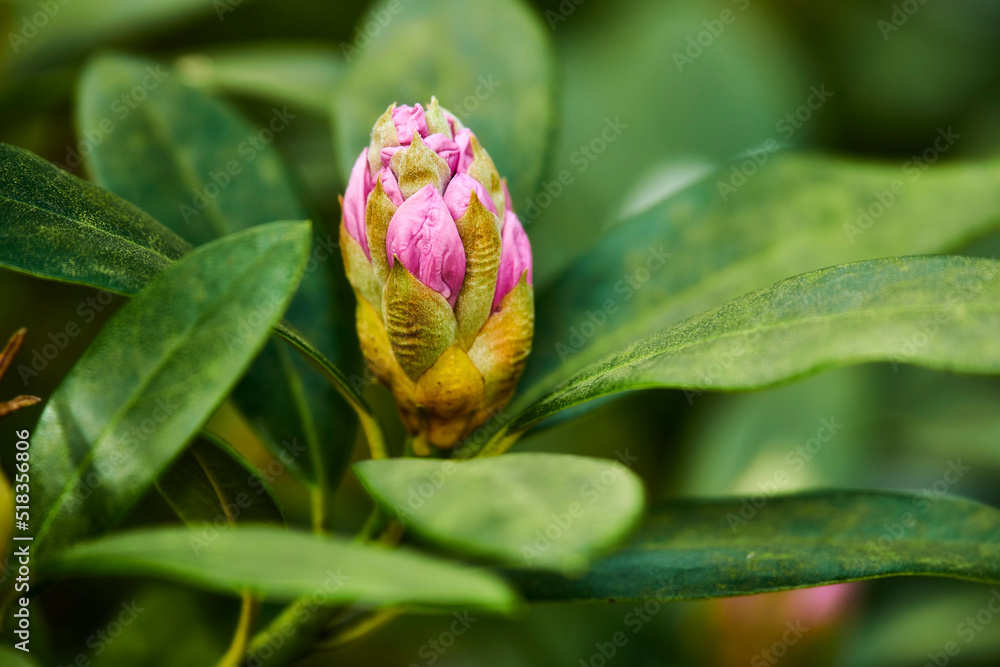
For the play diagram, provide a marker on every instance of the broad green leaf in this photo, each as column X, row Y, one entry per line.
column 54, row 225
column 490, row 63
column 211, row 484
column 939, row 312
column 539, row 510
column 291, row 73
column 284, row 565
column 700, row 247
column 155, row 374
column 204, row 171
column 761, row 543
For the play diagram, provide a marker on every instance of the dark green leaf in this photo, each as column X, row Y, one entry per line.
column 939, row 312
column 204, row 171
column 490, row 63
column 541, row 510
column 155, row 373
column 54, row 225
column 211, row 484
column 699, row 248
column 718, row 548
column 285, row 565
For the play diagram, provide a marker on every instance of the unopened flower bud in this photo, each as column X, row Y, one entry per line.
column 441, row 267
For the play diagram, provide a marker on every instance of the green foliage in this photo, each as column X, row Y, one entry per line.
column 175, row 354
column 557, row 512
column 717, row 548
column 940, row 312
column 197, row 166
column 51, row 219
column 286, row 565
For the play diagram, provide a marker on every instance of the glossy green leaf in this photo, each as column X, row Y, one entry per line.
column 540, row 510
column 291, row 73
column 204, row 171
column 490, row 63
column 718, row 548
column 211, row 484
column 50, row 221
column 285, row 565
column 699, row 247
column 939, row 312
column 155, row 374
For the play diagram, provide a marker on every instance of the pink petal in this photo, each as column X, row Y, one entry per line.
column 463, row 139
column 515, row 257
column 390, row 185
column 359, row 186
column 408, row 120
column 459, row 192
column 422, row 234
column 506, row 195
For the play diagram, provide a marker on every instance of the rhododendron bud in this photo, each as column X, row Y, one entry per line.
column 441, row 267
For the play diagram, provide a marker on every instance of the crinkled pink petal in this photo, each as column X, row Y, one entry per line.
column 463, row 139
column 515, row 257
column 445, row 147
column 422, row 234
column 359, row 186
column 506, row 195
column 437, row 142
column 458, row 195
column 408, row 120
column 390, row 185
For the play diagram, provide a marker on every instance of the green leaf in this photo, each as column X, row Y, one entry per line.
column 203, row 170
column 284, row 565
column 698, row 248
column 541, row 510
column 154, row 375
column 719, row 548
column 939, row 312
column 54, row 225
column 210, row 483
column 501, row 85
column 291, row 73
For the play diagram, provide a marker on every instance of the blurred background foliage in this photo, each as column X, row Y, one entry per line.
column 892, row 90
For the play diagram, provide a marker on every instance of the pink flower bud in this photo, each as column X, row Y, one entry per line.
column 355, row 197
column 515, row 257
column 459, row 192
column 422, row 234
column 438, row 143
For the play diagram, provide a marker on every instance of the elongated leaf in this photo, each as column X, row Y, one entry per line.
column 50, row 221
column 154, row 374
column 718, row 548
column 501, row 86
column 210, row 484
column 204, row 171
column 940, row 312
column 290, row 73
column 700, row 247
column 547, row 510
column 285, row 565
